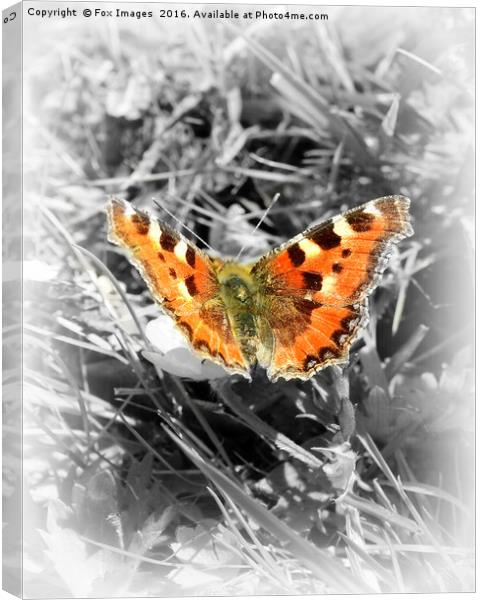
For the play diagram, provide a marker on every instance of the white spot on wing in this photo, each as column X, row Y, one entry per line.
column 342, row 228
column 309, row 248
column 328, row 283
column 180, row 250
column 155, row 232
column 184, row 292
column 129, row 210
column 372, row 209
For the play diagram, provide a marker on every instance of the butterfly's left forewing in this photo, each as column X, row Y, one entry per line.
column 181, row 279
column 315, row 287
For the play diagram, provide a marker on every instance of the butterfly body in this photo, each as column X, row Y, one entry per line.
column 239, row 294
column 294, row 311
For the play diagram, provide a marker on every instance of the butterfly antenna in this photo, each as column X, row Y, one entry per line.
column 157, row 203
column 261, row 220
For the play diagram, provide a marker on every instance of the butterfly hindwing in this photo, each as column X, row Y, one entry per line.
column 181, row 278
column 316, row 284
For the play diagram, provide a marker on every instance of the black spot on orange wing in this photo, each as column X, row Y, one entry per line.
column 305, row 306
column 326, row 238
column 186, row 328
column 202, row 345
column 190, row 256
column 338, row 335
column 346, row 252
column 161, row 256
column 336, row 268
column 296, row 255
column 359, row 220
column 190, row 285
column 312, row 281
column 172, row 273
column 347, row 323
column 168, row 241
column 327, row 353
column 141, row 222
column 310, row 362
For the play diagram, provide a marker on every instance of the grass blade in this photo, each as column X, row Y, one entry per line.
column 321, row 564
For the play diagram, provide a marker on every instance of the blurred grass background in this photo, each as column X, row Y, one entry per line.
column 356, row 480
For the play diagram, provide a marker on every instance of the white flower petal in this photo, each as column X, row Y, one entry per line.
column 174, row 353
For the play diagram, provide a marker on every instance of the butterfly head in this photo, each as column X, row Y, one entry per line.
column 238, row 287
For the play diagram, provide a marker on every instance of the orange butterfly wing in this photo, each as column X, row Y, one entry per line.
column 181, row 278
column 316, row 285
